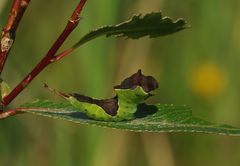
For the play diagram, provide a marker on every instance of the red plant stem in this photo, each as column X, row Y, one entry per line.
column 9, row 31
column 49, row 57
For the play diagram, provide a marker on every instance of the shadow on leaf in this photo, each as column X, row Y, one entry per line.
column 144, row 110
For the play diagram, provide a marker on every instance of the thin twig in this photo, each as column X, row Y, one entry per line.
column 49, row 57
column 9, row 30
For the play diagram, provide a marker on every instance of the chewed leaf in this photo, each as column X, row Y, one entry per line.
column 149, row 118
column 131, row 92
column 152, row 25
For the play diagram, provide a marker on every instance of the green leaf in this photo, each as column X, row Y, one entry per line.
column 152, row 25
column 149, row 118
column 127, row 111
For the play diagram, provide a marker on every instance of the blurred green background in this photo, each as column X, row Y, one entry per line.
column 198, row 67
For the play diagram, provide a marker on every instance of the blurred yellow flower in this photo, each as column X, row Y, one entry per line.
column 207, row 80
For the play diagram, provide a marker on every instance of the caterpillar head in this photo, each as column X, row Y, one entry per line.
column 148, row 83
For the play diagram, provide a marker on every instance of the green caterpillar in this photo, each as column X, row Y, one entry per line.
column 129, row 94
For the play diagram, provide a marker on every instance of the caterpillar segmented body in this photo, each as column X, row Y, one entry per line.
column 129, row 94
